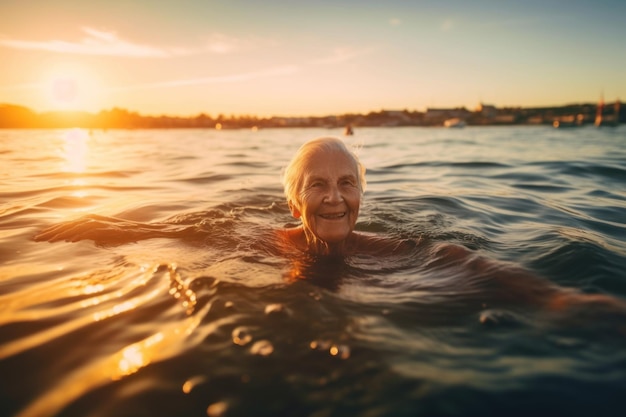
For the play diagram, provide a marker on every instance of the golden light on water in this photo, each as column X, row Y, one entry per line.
column 127, row 361
column 136, row 356
column 93, row 289
column 75, row 150
column 79, row 184
column 191, row 383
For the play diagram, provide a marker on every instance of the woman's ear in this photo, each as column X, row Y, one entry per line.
column 294, row 210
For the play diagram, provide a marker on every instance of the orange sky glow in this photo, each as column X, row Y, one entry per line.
column 308, row 58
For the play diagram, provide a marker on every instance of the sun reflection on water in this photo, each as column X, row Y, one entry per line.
column 136, row 356
column 75, row 150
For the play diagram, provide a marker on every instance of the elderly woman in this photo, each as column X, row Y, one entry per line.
column 324, row 183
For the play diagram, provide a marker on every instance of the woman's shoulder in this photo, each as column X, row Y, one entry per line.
column 290, row 234
column 290, row 238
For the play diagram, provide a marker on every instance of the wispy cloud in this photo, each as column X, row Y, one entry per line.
column 336, row 56
column 96, row 42
column 109, row 43
column 342, row 55
column 219, row 79
column 221, row 44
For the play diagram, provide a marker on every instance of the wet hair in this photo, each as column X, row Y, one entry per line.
column 293, row 174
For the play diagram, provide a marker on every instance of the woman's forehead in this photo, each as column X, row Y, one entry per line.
column 326, row 162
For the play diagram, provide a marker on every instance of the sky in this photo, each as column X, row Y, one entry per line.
column 309, row 58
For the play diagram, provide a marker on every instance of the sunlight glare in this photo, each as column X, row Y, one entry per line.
column 136, row 356
column 79, row 184
column 75, row 150
column 64, row 92
column 72, row 88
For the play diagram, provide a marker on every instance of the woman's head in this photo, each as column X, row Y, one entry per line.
column 323, row 184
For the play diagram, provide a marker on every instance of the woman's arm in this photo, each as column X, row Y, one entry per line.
column 108, row 230
column 511, row 283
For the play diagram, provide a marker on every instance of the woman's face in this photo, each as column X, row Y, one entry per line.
column 330, row 196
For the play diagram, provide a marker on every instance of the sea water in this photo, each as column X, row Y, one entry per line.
column 137, row 279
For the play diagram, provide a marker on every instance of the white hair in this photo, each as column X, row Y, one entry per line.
column 293, row 175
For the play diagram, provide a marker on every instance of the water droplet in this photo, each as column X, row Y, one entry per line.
column 320, row 344
column 217, row 409
column 241, row 336
column 191, row 383
column 341, row 351
column 262, row 348
column 187, row 387
column 275, row 309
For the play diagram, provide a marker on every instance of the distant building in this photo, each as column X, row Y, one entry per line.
column 397, row 114
column 441, row 114
column 487, row 110
column 504, row 118
column 395, row 117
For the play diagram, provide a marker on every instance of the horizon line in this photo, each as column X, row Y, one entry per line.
column 41, row 112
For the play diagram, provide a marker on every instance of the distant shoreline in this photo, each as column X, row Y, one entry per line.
column 16, row 117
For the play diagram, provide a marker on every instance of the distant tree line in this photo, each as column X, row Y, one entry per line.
column 13, row 116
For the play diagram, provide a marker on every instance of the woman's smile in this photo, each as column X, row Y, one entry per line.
column 333, row 216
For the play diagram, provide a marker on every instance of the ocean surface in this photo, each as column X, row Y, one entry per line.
column 137, row 276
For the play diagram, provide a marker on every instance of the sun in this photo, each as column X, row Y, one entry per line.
column 64, row 92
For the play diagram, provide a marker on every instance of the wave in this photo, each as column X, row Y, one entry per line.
column 162, row 292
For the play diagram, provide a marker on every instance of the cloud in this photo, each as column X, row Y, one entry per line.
column 221, row 44
column 108, row 43
column 395, row 21
column 337, row 55
column 95, row 43
column 341, row 55
column 219, row 79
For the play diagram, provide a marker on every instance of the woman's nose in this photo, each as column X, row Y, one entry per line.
column 333, row 195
